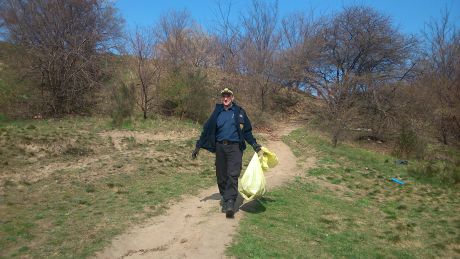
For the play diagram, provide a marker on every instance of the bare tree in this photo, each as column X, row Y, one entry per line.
column 200, row 52
column 182, row 42
column 442, row 74
column 300, row 43
column 65, row 41
column 148, row 68
column 185, row 50
column 360, row 51
column 172, row 33
column 260, row 43
column 227, row 38
column 2, row 19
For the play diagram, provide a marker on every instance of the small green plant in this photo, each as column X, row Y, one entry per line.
column 78, row 151
column 90, row 188
column 3, row 118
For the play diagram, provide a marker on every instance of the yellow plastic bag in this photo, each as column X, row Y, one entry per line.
column 268, row 159
column 252, row 183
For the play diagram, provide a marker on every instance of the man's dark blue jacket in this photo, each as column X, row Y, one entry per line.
column 208, row 136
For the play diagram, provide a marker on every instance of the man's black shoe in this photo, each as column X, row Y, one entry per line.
column 230, row 210
column 222, row 204
column 224, row 208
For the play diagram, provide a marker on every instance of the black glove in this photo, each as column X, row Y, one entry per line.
column 256, row 147
column 195, row 152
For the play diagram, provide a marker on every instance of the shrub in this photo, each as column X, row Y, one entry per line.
column 285, row 100
column 123, row 104
column 408, row 143
column 185, row 94
column 3, row 118
column 260, row 119
column 444, row 172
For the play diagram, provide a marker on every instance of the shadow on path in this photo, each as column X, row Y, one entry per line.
column 214, row 196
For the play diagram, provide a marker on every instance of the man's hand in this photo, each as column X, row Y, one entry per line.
column 256, row 147
column 260, row 153
column 195, row 153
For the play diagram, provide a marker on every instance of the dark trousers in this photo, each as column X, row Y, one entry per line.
column 228, row 167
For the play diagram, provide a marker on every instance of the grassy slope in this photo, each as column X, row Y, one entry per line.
column 66, row 190
column 347, row 207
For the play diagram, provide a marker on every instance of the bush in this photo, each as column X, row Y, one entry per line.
column 186, row 95
column 408, row 143
column 444, row 172
column 122, row 105
column 285, row 100
column 260, row 119
column 3, row 118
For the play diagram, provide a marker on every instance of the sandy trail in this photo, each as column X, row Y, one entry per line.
column 194, row 227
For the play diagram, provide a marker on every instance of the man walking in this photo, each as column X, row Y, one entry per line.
column 225, row 133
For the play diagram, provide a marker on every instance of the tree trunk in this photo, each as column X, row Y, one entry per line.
column 334, row 141
column 444, row 137
column 262, row 95
column 336, row 134
column 444, row 131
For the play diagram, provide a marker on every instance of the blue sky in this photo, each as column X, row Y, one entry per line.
column 409, row 16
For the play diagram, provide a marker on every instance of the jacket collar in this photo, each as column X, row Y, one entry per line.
column 220, row 106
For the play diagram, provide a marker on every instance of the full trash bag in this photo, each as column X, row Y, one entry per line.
column 252, row 183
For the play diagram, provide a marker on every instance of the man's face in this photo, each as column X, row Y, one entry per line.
column 227, row 99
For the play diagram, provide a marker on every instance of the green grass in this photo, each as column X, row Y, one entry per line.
column 72, row 219
column 66, row 190
column 347, row 207
column 328, row 227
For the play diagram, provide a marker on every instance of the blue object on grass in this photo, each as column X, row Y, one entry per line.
column 397, row 181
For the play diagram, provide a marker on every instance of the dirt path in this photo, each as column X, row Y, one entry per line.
column 194, row 227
